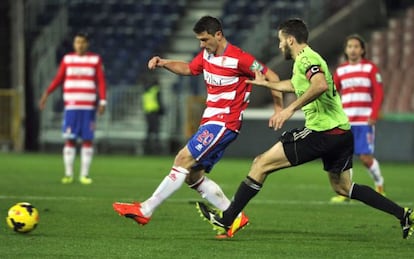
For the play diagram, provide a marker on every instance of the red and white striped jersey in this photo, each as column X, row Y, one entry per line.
column 80, row 76
column 360, row 86
column 227, row 92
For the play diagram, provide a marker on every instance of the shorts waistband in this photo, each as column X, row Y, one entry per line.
column 335, row 131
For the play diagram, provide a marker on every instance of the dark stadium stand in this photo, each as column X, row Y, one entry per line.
column 240, row 16
column 125, row 33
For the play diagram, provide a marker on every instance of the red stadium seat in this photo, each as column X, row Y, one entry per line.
column 377, row 48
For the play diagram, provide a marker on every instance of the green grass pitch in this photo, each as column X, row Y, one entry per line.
column 290, row 218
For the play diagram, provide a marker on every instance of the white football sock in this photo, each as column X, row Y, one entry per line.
column 212, row 192
column 171, row 183
column 86, row 160
column 69, row 154
column 375, row 173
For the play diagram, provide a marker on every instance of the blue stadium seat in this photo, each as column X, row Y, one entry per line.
column 123, row 31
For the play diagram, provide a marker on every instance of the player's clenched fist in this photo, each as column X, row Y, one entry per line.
column 154, row 62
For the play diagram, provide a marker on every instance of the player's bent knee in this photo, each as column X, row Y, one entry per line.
column 193, row 178
column 184, row 159
column 268, row 164
column 262, row 165
column 341, row 190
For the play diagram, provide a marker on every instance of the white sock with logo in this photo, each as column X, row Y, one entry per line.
column 171, row 183
column 212, row 192
column 86, row 160
column 375, row 173
column 69, row 154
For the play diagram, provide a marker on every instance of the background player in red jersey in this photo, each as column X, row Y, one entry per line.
column 82, row 77
column 225, row 68
column 359, row 82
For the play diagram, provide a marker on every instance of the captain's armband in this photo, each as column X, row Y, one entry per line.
column 313, row 70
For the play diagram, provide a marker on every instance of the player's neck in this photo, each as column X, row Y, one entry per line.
column 298, row 49
column 222, row 47
column 354, row 61
column 81, row 53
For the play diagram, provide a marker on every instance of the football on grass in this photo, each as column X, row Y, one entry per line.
column 22, row 217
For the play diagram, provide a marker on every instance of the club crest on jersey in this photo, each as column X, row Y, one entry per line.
column 378, row 77
column 256, row 66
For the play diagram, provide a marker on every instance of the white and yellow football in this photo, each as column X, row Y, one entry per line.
column 22, row 217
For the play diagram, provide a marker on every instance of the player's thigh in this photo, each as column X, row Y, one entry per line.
column 364, row 138
column 302, row 145
column 88, row 125
column 184, row 158
column 338, row 153
column 71, row 125
column 271, row 160
column 208, row 144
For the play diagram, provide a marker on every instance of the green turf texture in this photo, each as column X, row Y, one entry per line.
column 290, row 218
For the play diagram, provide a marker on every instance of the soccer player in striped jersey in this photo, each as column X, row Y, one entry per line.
column 225, row 68
column 82, row 77
column 359, row 83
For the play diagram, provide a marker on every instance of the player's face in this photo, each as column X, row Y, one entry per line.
column 80, row 45
column 354, row 50
column 209, row 42
column 284, row 45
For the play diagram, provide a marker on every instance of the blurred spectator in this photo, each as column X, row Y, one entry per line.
column 153, row 109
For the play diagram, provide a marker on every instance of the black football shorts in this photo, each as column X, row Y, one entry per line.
column 304, row 145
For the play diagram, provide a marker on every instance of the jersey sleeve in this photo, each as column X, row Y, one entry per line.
column 377, row 92
column 248, row 64
column 310, row 66
column 196, row 65
column 100, row 78
column 337, row 81
column 58, row 79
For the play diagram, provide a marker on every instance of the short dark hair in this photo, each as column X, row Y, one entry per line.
column 209, row 24
column 296, row 28
column 358, row 38
column 82, row 35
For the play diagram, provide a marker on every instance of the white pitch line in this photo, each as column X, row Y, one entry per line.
column 257, row 201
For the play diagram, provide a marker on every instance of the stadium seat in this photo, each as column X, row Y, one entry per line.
column 377, row 47
column 120, row 29
column 405, row 92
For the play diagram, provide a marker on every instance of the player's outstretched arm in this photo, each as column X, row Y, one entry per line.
column 318, row 86
column 277, row 96
column 282, row 86
column 175, row 66
column 270, row 75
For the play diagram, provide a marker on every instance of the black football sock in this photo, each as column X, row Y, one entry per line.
column 247, row 190
column 374, row 199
